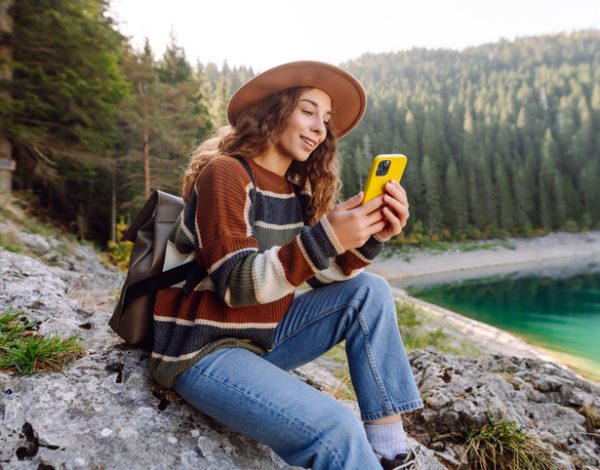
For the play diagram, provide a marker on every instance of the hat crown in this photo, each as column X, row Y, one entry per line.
column 348, row 97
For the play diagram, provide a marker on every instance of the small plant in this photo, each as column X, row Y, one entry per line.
column 10, row 328
column 407, row 314
column 9, row 246
column 119, row 252
column 408, row 322
column 502, row 445
column 26, row 351
column 592, row 420
column 345, row 390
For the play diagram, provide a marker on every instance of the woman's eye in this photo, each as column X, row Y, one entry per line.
column 308, row 112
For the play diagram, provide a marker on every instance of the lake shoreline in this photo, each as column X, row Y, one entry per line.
column 523, row 251
column 454, row 265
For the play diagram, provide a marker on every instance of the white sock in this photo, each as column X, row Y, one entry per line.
column 387, row 440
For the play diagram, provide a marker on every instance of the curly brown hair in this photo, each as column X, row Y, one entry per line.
column 259, row 126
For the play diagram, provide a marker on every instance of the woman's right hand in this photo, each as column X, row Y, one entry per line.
column 353, row 224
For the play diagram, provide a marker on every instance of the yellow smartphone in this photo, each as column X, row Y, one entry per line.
column 383, row 169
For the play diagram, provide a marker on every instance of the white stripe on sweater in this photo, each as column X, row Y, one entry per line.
column 219, row 262
column 331, row 235
column 268, row 277
column 247, row 210
column 305, row 254
column 361, row 257
column 334, row 273
column 260, row 223
column 183, row 357
column 276, row 195
column 216, row 324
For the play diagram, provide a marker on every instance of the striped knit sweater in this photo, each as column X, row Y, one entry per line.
column 257, row 250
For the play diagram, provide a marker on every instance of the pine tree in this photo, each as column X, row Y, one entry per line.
column 433, row 185
column 506, row 203
column 456, row 196
column 65, row 95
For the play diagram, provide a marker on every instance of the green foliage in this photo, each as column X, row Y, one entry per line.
column 10, row 328
column 413, row 335
column 502, row 139
column 25, row 351
column 9, row 245
column 592, row 420
column 65, row 92
column 510, row 130
column 503, row 446
column 119, row 252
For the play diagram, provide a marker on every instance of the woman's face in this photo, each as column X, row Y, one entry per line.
column 305, row 128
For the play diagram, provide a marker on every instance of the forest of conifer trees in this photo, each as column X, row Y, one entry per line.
column 502, row 139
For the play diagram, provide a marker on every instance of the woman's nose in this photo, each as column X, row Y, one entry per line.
column 319, row 127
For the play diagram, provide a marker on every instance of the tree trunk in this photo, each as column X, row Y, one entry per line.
column 141, row 90
column 146, row 166
column 113, row 208
column 7, row 165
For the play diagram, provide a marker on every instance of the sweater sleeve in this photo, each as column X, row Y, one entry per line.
column 229, row 250
column 347, row 265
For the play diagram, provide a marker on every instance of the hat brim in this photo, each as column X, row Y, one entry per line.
column 348, row 97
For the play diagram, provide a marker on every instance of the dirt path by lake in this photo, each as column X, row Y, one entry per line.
column 523, row 251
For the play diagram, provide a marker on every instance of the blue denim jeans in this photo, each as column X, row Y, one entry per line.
column 255, row 396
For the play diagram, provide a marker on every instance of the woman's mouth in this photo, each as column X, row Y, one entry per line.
column 308, row 142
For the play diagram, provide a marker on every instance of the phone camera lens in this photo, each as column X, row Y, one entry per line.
column 383, row 168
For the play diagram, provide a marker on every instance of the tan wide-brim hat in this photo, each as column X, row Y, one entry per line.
column 348, row 98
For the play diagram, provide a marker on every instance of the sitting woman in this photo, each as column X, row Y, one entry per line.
column 261, row 219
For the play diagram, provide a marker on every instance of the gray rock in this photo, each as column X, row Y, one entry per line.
column 34, row 243
column 545, row 399
column 104, row 411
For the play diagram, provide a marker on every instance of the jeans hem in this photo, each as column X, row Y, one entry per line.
column 405, row 407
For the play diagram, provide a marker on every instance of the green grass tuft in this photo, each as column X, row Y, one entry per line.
column 413, row 335
column 10, row 328
column 9, row 246
column 502, row 445
column 27, row 352
column 592, row 420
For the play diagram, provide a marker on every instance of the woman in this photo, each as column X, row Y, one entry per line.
column 260, row 218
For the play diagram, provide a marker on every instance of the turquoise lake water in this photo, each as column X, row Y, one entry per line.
column 556, row 306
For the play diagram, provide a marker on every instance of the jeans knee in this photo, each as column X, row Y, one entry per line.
column 344, row 428
column 376, row 285
column 378, row 295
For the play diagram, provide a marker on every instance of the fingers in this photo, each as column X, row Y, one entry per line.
column 395, row 211
column 372, row 205
column 394, row 189
column 374, row 217
column 396, row 223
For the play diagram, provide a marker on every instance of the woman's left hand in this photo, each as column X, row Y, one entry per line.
column 395, row 211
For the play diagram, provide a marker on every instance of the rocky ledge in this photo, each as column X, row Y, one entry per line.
column 547, row 401
column 104, row 411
